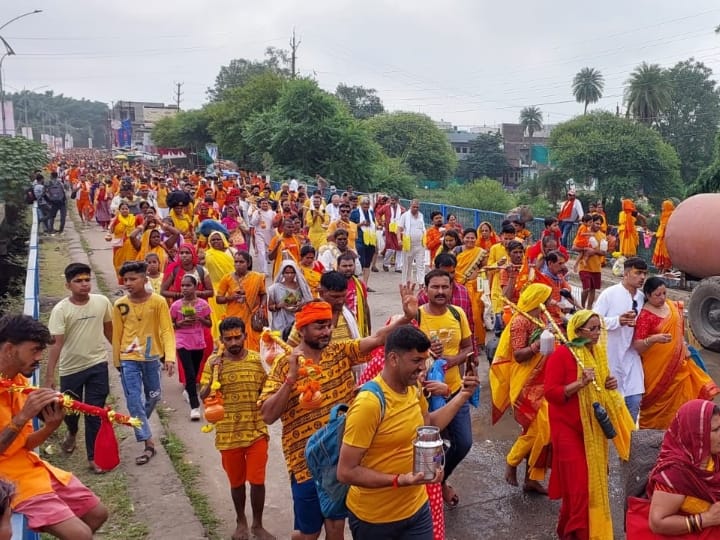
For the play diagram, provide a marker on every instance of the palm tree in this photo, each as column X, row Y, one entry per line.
column 587, row 86
column 531, row 119
column 648, row 93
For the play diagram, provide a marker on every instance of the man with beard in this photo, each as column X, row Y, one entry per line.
column 281, row 399
column 54, row 501
column 241, row 436
column 356, row 299
column 451, row 339
column 337, row 245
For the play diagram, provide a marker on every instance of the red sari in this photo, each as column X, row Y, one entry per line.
column 175, row 287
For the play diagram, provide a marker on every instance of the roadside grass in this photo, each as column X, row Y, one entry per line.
column 189, row 475
column 112, row 488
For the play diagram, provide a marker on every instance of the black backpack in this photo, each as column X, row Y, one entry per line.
column 55, row 192
column 30, row 195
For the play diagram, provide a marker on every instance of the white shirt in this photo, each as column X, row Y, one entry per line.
column 625, row 362
column 333, row 211
column 413, row 226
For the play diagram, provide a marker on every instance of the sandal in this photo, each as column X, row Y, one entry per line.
column 68, row 444
column 454, row 500
column 146, row 456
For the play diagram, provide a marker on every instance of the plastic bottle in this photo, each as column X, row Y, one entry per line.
column 604, row 421
column 547, row 342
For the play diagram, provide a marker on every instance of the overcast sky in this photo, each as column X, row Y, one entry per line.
column 471, row 62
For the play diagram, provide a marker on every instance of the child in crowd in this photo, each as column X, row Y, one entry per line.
column 155, row 277
column 189, row 314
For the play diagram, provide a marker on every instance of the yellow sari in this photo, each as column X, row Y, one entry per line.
column 123, row 250
column 671, row 376
column 629, row 238
column 159, row 250
column 465, row 259
column 312, row 277
column 218, row 264
column 596, row 446
column 182, row 223
column 520, row 383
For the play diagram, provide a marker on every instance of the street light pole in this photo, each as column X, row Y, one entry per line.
column 8, row 52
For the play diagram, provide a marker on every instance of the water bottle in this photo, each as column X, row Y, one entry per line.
column 604, row 420
column 547, row 342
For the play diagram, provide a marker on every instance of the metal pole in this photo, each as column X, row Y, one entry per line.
column 2, row 94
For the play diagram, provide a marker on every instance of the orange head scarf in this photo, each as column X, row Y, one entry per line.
column 313, row 312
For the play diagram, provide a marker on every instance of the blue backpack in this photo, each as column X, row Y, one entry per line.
column 322, row 453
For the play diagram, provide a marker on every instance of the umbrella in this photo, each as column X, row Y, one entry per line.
column 121, row 157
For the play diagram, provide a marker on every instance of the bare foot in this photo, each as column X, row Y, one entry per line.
column 534, row 486
column 450, row 498
column 511, row 475
column 261, row 534
column 241, row 532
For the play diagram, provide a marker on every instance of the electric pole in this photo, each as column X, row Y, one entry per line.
column 178, row 93
column 294, row 45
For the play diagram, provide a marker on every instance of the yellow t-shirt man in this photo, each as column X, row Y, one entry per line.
column 240, row 383
column 142, row 331
column 593, row 263
column 389, row 443
column 451, row 332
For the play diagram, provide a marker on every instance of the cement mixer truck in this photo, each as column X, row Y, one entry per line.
column 693, row 242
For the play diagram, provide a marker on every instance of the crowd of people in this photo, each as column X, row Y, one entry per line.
column 206, row 263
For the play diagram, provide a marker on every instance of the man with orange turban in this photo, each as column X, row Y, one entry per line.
column 280, row 398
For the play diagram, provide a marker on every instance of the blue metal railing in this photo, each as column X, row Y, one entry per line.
column 31, row 308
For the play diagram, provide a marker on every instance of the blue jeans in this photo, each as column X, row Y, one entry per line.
column 566, row 227
column 419, row 526
column 633, row 405
column 459, row 433
column 141, row 385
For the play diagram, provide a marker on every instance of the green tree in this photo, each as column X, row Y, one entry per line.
column 690, row 121
column 708, row 181
column 229, row 116
column 310, row 131
column 486, row 158
column 587, row 86
column 531, row 119
column 187, row 129
column 240, row 71
column 648, row 93
column 417, row 141
column 624, row 157
column 484, row 193
column 363, row 102
column 19, row 158
column 58, row 115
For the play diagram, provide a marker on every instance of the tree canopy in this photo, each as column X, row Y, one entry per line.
column 363, row 102
column 240, row 70
column 186, row 129
column 624, row 157
column 486, row 158
column 691, row 119
column 648, row 93
column 58, row 115
column 587, row 86
column 708, row 180
column 417, row 141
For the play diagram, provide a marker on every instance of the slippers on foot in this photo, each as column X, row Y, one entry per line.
column 68, row 444
column 146, row 456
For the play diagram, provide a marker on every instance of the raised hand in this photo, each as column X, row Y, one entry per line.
column 409, row 300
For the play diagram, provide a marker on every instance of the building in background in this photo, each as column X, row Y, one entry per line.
column 526, row 157
column 132, row 122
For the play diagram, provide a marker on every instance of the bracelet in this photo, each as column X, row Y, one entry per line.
column 700, row 521
column 687, row 524
column 646, row 341
column 13, row 426
column 396, row 481
column 290, row 380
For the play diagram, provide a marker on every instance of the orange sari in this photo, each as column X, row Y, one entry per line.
column 253, row 284
column 671, row 376
column 661, row 257
column 464, row 261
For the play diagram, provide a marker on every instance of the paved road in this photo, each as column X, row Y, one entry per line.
column 489, row 508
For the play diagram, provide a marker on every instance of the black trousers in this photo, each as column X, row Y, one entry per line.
column 191, row 359
column 91, row 386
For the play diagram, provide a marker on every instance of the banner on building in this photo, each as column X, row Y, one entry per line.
column 172, row 153
column 212, row 151
column 124, row 134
